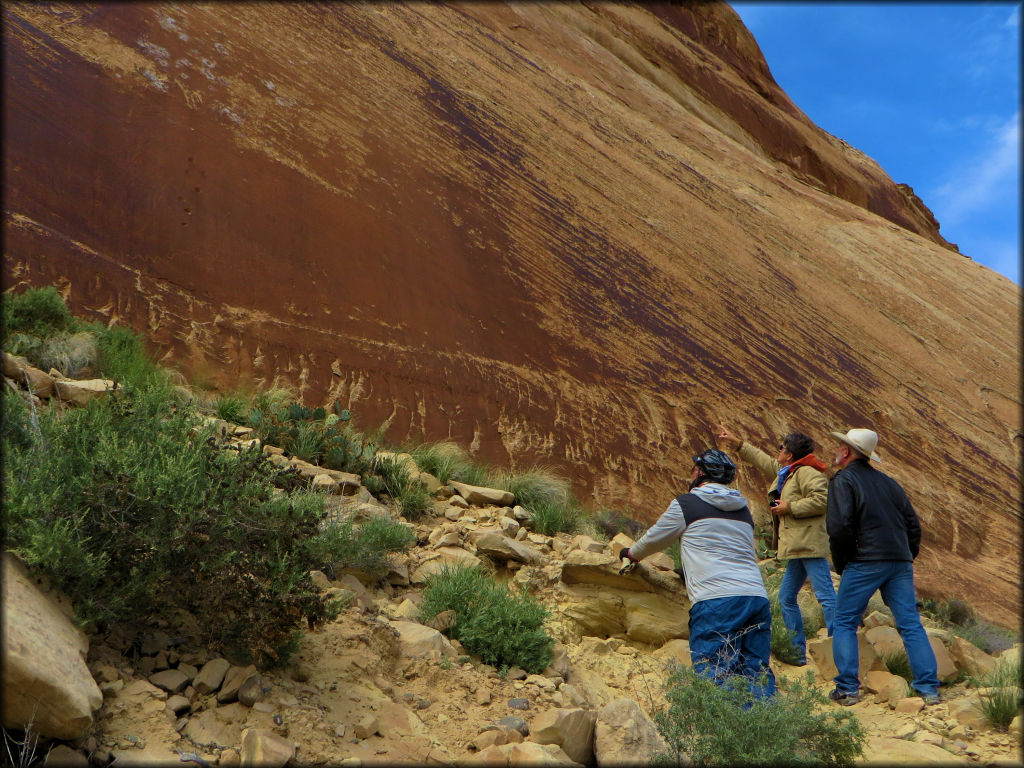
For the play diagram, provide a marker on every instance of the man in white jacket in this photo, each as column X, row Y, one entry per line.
column 730, row 619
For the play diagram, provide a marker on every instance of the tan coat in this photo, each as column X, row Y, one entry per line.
column 801, row 531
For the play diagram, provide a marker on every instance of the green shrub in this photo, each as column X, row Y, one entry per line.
column 124, row 359
column 364, row 547
column 133, row 509
column 502, row 628
column 38, row 312
column 1001, row 693
column 725, row 725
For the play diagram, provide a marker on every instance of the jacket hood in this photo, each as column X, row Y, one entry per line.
column 720, row 496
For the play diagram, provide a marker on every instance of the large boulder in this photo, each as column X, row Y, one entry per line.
column 571, row 729
column 416, row 640
column 501, row 547
column 480, row 496
column 625, row 736
column 652, row 619
column 46, row 681
column 595, row 611
column 446, row 556
column 820, row 651
column 599, row 569
column 265, row 749
column 524, row 754
column 969, row 658
column 80, row 392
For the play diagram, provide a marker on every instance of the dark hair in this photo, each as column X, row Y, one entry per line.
column 798, row 444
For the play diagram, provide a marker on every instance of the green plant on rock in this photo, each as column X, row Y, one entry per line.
column 501, row 627
column 725, row 725
column 1001, row 692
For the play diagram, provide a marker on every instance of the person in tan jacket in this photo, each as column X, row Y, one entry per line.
column 798, row 498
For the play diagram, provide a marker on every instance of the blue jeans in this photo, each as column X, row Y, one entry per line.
column 733, row 636
column 798, row 571
column 895, row 579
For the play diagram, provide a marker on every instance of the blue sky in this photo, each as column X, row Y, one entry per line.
column 930, row 91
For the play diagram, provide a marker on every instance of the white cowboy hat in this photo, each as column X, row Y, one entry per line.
column 861, row 440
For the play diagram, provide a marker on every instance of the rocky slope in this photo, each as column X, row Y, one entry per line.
column 378, row 687
column 575, row 234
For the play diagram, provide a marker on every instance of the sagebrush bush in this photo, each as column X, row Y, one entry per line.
column 365, row 546
column 504, row 629
column 726, row 725
column 38, row 312
column 131, row 508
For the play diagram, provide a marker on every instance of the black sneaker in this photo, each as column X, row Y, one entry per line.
column 845, row 699
column 930, row 699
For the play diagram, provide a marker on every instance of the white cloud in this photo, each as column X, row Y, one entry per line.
column 976, row 182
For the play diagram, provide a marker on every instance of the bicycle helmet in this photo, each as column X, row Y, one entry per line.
column 715, row 466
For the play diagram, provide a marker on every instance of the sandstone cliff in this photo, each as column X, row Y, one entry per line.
column 581, row 235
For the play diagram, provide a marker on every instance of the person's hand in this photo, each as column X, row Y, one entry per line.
column 782, row 508
column 729, row 437
column 629, row 564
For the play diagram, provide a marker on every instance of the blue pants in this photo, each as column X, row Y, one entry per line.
column 733, row 636
column 798, row 571
column 895, row 579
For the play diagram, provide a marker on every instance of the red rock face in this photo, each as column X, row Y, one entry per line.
column 579, row 236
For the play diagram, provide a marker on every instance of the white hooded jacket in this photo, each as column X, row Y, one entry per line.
column 716, row 543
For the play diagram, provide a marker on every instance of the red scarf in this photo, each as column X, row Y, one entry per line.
column 810, row 460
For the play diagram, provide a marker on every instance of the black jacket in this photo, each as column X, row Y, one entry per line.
column 869, row 517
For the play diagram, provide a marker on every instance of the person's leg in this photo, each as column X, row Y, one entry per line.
column 858, row 583
column 756, row 648
column 898, row 594
column 792, row 580
column 821, row 582
column 711, row 649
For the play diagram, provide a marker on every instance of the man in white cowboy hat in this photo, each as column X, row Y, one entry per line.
column 874, row 535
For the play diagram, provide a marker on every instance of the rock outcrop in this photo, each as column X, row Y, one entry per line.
column 46, row 683
column 576, row 234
